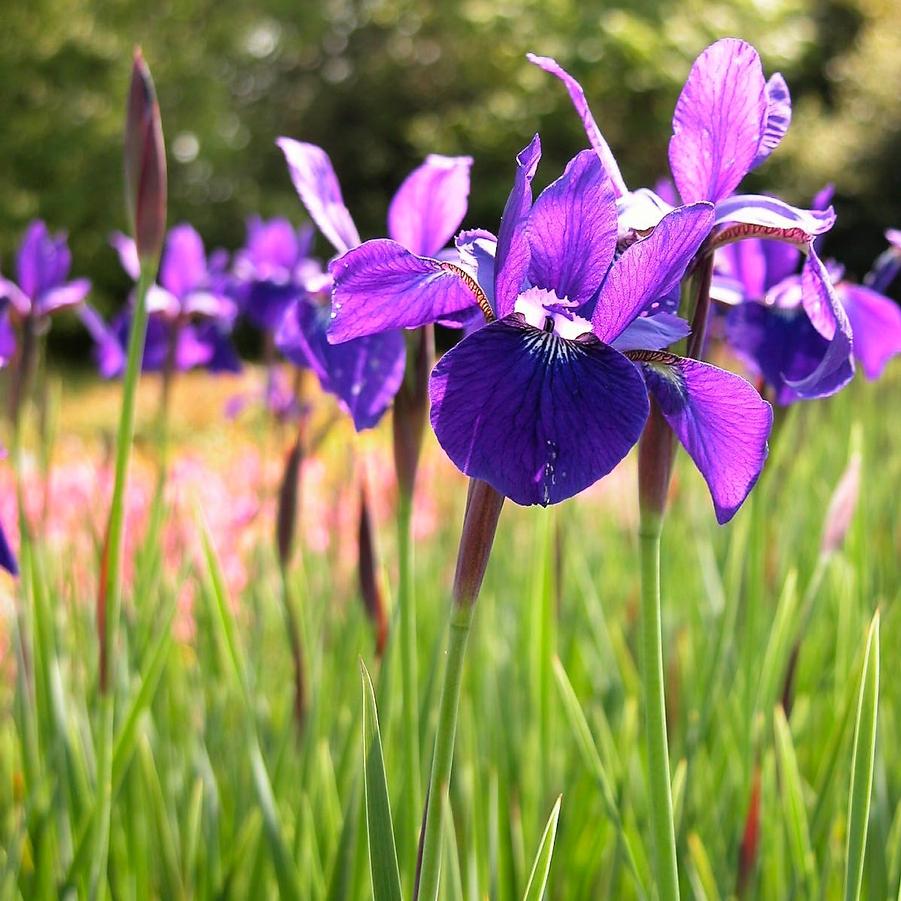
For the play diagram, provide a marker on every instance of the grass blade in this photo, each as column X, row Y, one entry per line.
column 862, row 764
column 382, row 852
column 542, row 865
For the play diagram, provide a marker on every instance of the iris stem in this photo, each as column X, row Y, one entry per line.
column 406, row 603
column 460, row 623
column 660, row 793
column 111, row 576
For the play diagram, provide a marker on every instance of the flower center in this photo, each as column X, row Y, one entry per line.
column 544, row 310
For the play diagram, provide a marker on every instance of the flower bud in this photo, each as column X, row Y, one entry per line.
column 145, row 163
column 368, row 571
column 842, row 507
column 483, row 509
column 288, row 493
column 656, row 451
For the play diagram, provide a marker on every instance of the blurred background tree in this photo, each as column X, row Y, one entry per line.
column 380, row 83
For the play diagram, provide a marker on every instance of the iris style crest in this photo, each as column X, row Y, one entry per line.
column 366, row 369
column 728, row 120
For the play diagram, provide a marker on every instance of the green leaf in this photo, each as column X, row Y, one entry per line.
column 382, row 852
column 542, row 864
column 862, row 764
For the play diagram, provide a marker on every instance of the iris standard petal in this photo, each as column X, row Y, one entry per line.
column 7, row 338
column 512, row 257
column 778, row 117
column 317, row 185
column 109, row 352
column 746, row 262
column 572, row 230
column 43, row 260
column 721, row 421
column 719, row 120
column 183, row 267
column 68, row 295
column 781, row 261
column 272, row 250
column 430, row 204
column 650, row 268
column 875, row 324
column 380, row 285
column 595, row 137
column 364, row 374
column 476, row 249
column 536, row 416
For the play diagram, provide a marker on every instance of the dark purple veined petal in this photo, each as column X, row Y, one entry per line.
column 512, row 257
column 720, row 419
column 183, row 267
column 7, row 557
column 109, row 352
column 317, row 186
column 650, row 268
column 380, row 285
column 756, row 216
column 778, row 117
column 875, row 324
column 536, row 416
column 652, row 333
column 127, row 250
column 595, row 137
column 43, row 261
column 572, row 230
column 364, row 374
column 718, row 123
column 476, row 250
column 430, row 204
column 68, row 295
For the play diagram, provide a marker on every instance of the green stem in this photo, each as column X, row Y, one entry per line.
column 407, row 625
column 660, row 794
column 460, row 623
column 112, row 575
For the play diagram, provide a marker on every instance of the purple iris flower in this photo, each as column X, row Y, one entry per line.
column 552, row 393
column 191, row 310
column 271, row 270
column 7, row 557
column 769, row 327
column 727, row 121
column 888, row 264
column 43, row 288
column 364, row 373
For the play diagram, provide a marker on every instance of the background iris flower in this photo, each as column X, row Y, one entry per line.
column 42, row 288
column 191, row 311
column 366, row 373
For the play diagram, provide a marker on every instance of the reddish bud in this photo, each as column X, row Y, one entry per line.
column 145, row 163
column 483, row 509
column 750, row 840
column 411, row 406
column 288, row 494
column 370, row 582
column 656, row 451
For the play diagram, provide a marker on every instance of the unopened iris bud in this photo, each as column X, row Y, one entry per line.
column 370, row 581
column 656, row 450
column 145, row 163
column 288, row 493
column 483, row 509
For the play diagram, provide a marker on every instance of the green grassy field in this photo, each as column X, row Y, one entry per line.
column 217, row 793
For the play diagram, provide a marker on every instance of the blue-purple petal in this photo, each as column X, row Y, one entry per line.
column 364, row 374
column 572, row 230
column 430, row 204
column 183, row 267
column 317, row 186
column 875, row 324
column 778, row 117
column 538, row 417
column 721, row 421
column 718, row 123
column 43, row 260
column 654, row 332
column 512, row 257
column 7, row 557
column 380, row 286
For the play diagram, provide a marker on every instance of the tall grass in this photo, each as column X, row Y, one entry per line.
column 214, row 793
